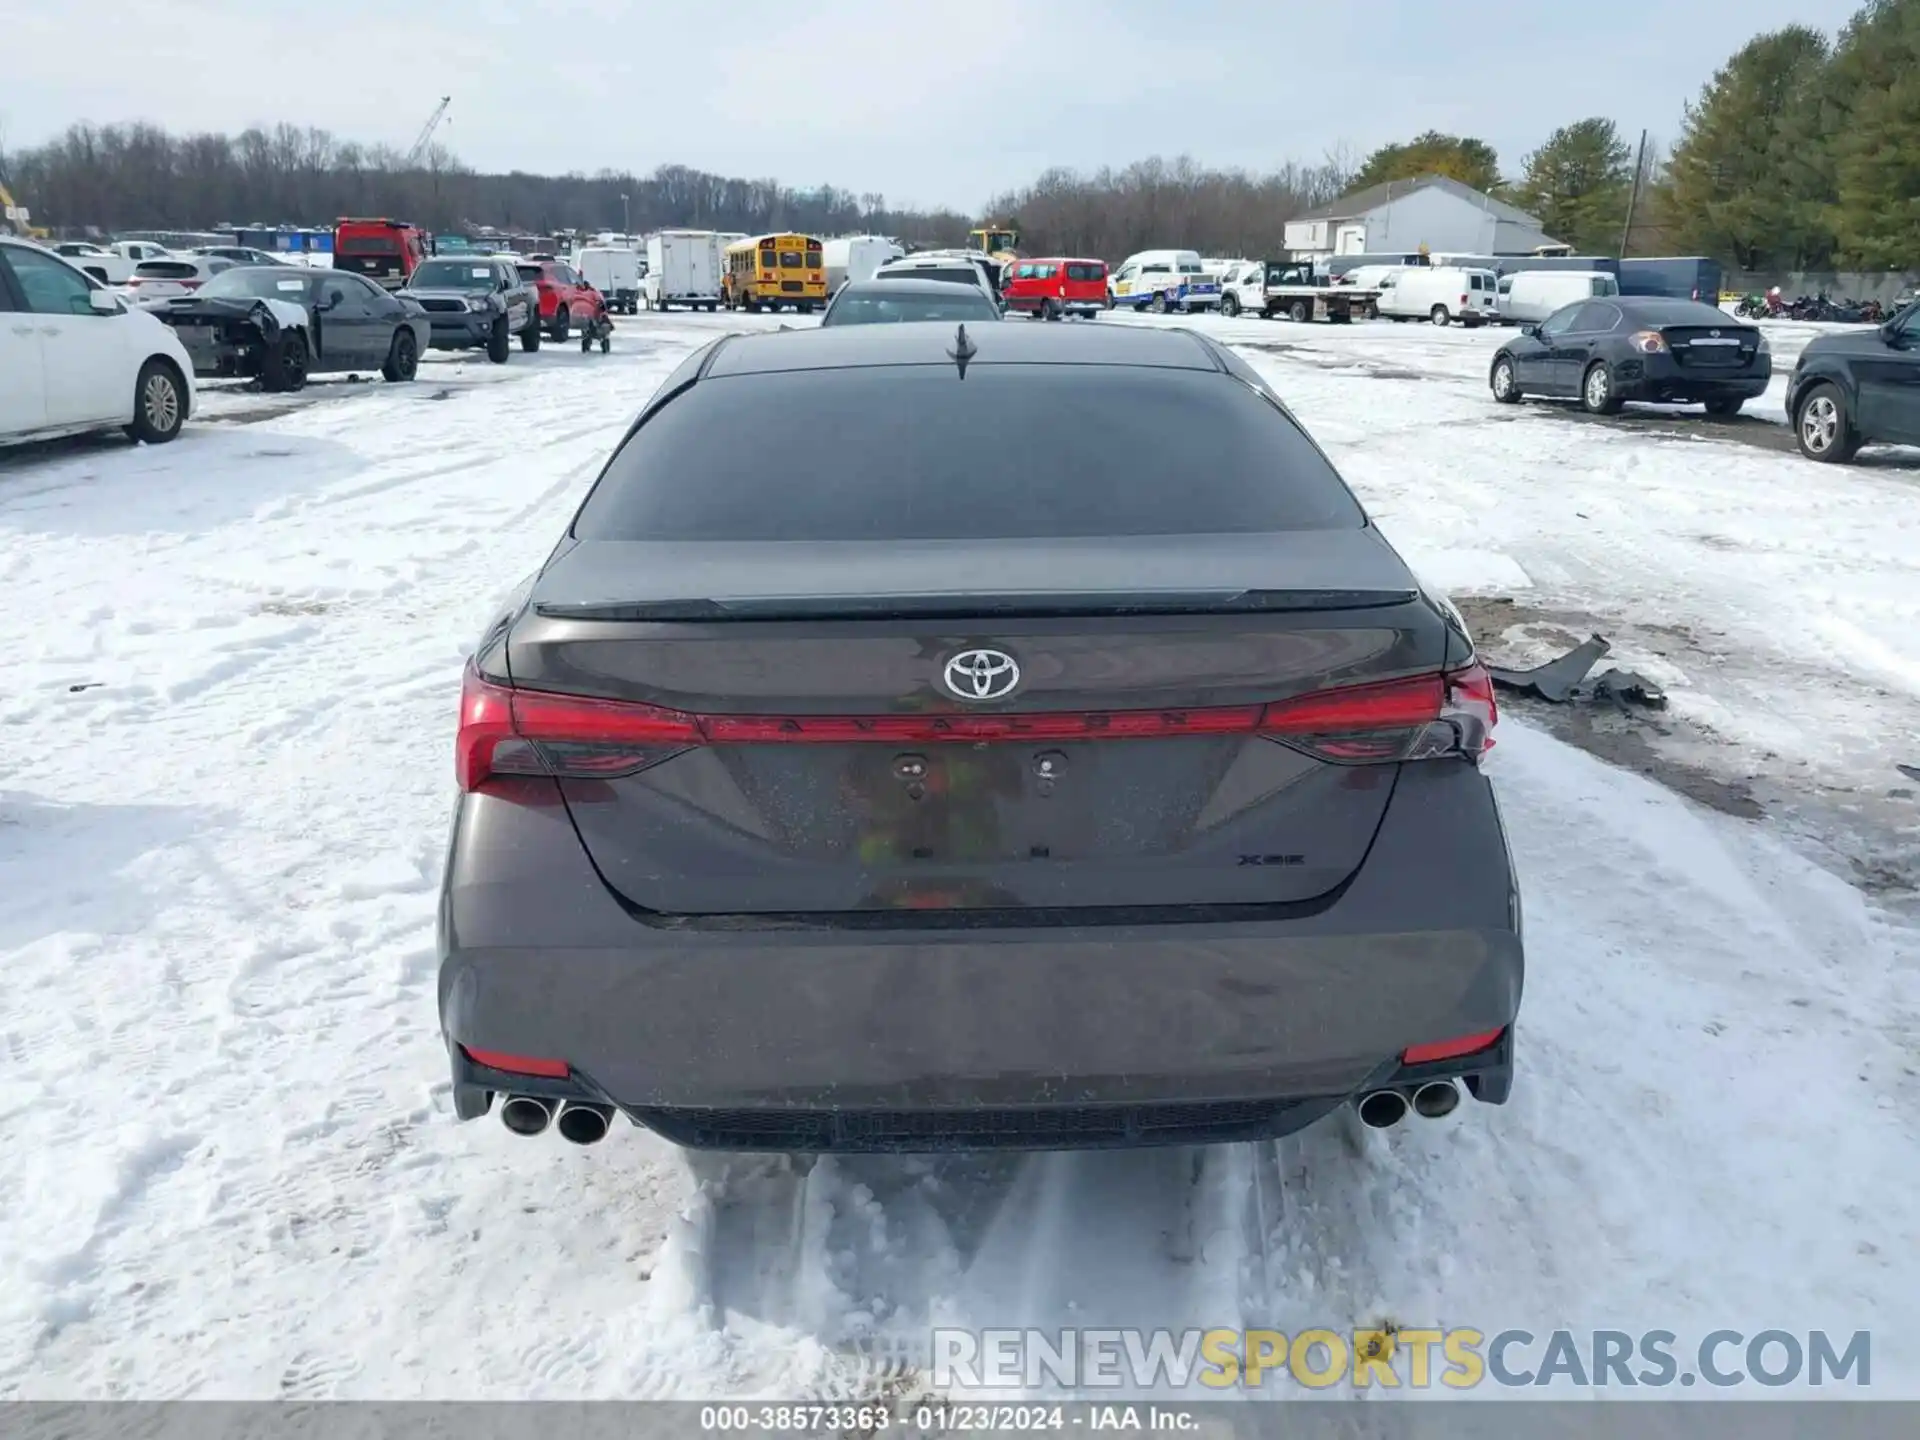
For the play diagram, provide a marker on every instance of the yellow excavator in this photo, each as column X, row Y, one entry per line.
column 998, row 242
column 14, row 217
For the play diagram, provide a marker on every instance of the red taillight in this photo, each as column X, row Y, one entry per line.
column 1463, row 300
column 1449, row 1049
column 504, row 731
column 517, row 1064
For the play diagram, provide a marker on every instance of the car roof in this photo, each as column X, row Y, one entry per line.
column 929, row 342
column 911, row 287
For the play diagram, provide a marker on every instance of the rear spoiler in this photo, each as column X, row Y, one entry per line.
column 991, row 606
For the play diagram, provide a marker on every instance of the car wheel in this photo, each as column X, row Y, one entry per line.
column 1504, row 384
column 530, row 337
column 1441, row 316
column 286, row 366
column 403, row 355
column 563, row 324
column 1823, row 428
column 1596, row 390
column 1372, row 311
column 1725, row 408
column 1049, row 310
column 1159, row 302
column 1230, row 306
column 499, row 343
column 1300, row 312
column 159, row 404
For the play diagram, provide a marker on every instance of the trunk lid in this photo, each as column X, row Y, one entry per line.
column 850, row 767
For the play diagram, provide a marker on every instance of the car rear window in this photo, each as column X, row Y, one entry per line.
column 1011, row 451
column 958, row 274
column 369, row 245
column 1086, row 272
column 167, row 270
column 1679, row 312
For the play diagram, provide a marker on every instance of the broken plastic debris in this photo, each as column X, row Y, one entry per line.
column 1556, row 679
column 1562, row 679
column 1628, row 687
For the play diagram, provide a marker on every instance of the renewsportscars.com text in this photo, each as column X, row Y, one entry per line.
column 1417, row 1359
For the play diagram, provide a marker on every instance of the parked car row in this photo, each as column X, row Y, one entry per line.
column 1847, row 390
column 78, row 353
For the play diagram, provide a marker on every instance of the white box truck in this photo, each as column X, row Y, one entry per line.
column 613, row 270
column 856, row 257
column 683, row 268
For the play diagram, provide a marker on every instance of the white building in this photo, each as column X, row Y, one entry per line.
column 1401, row 216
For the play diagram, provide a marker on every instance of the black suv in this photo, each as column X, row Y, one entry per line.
column 1858, row 388
column 476, row 302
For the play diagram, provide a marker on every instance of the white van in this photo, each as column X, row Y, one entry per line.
column 1369, row 277
column 613, row 270
column 1163, row 280
column 1529, row 296
column 1441, row 294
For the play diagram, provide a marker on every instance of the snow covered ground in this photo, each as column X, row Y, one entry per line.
column 232, row 1169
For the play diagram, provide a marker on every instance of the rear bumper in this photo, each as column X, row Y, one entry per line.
column 1658, row 379
column 1031, row 304
column 922, row 1038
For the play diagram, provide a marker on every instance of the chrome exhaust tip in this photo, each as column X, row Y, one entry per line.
column 526, row 1114
column 1436, row 1098
column 1383, row 1109
column 585, row 1124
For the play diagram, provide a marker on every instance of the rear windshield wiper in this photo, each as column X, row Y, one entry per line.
column 989, row 606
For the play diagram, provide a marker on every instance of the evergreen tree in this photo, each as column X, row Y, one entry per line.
column 1748, row 181
column 1872, row 106
column 1471, row 162
column 1578, row 183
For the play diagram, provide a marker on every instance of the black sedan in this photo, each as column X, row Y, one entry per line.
column 1009, row 781
column 1607, row 352
column 891, row 302
column 282, row 323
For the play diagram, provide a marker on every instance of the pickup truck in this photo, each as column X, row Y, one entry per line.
column 111, row 264
column 1301, row 292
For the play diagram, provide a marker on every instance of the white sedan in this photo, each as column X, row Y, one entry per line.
column 75, row 357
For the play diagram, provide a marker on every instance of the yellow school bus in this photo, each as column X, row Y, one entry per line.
column 765, row 272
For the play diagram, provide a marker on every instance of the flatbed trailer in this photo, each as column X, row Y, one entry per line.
column 1301, row 293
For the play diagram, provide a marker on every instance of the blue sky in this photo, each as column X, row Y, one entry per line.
column 924, row 101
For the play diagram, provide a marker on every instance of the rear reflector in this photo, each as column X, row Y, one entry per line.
column 1449, row 1049
column 506, row 731
column 516, row 1064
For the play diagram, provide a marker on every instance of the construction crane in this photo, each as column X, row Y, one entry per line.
column 426, row 131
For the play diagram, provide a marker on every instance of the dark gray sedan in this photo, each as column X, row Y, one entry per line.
column 1605, row 352
column 952, row 737
column 894, row 302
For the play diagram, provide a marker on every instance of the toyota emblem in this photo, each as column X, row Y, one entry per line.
column 982, row 674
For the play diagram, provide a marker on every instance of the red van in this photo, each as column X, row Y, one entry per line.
column 1048, row 289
